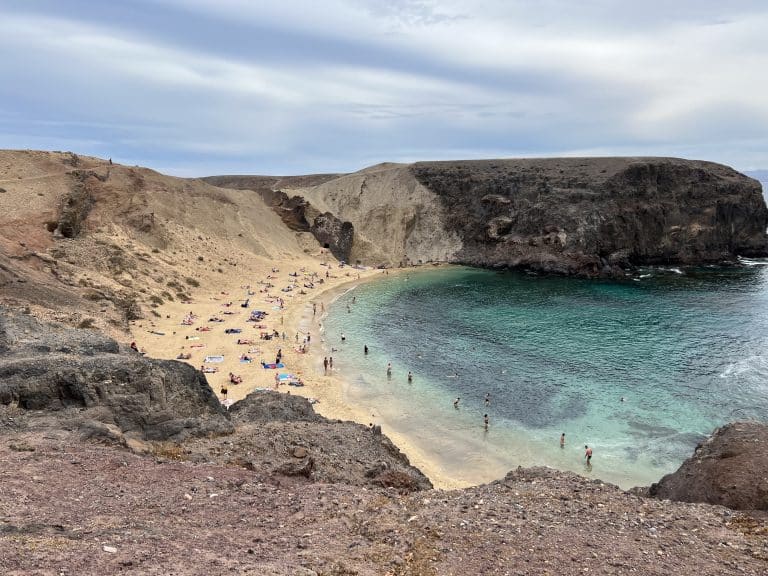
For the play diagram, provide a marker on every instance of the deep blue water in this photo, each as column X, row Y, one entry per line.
column 640, row 369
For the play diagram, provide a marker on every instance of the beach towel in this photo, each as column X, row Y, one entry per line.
column 214, row 359
column 233, row 331
column 156, row 332
column 272, row 366
column 245, row 361
column 285, row 376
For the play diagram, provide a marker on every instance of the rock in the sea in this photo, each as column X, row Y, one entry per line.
column 85, row 376
column 730, row 468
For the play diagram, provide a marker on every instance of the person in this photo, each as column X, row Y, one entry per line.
column 325, row 364
column 224, row 391
column 410, row 376
column 354, row 299
column 314, row 308
column 456, row 403
column 487, row 399
column 330, row 362
column 485, row 420
column 562, row 440
column 309, row 337
column 588, row 454
column 343, row 338
column 134, row 347
column 365, row 349
column 389, row 369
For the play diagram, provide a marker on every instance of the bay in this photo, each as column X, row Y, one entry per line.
column 640, row 369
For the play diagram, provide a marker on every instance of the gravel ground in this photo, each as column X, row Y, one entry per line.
column 70, row 507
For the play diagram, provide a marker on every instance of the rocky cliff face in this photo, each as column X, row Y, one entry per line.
column 730, row 469
column 88, row 378
column 593, row 216
column 584, row 216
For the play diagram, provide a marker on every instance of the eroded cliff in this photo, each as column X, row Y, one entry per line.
column 585, row 216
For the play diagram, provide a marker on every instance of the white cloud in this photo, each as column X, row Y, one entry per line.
column 399, row 79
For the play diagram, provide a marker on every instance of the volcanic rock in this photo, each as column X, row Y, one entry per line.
column 730, row 468
column 86, row 376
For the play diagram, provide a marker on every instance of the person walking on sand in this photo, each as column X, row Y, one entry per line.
column 562, row 440
column 330, row 363
column 314, row 308
column 588, row 454
column 325, row 364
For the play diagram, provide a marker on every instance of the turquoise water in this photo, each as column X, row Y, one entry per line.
column 641, row 370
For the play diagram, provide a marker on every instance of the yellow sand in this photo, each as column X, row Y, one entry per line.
column 296, row 317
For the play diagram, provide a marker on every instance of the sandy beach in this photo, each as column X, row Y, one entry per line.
column 202, row 329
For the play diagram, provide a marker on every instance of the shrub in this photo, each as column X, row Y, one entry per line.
column 192, row 282
column 86, row 323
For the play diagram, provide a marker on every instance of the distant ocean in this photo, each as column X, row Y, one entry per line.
column 640, row 369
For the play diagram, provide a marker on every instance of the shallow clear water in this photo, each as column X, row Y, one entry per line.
column 685, row 349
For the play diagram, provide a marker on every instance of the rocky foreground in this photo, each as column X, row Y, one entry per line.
column 184, row 487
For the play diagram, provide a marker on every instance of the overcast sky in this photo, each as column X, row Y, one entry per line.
column 198, row 87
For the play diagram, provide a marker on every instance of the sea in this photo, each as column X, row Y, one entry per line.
column 640, row 369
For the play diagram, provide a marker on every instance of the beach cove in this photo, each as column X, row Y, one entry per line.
column 536, row 390
column 641, row 370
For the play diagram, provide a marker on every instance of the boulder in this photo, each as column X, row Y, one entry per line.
column 81, row 374
column 730, row 468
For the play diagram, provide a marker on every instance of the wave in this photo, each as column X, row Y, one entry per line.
column 753, row 261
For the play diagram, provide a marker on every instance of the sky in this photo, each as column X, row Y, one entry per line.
column 202, row 87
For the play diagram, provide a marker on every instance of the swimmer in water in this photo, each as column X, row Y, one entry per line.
column 485, row 420
column 410, row 376
column 389, row 369
column 456, row 403
column 562, row 440
column 487, row 399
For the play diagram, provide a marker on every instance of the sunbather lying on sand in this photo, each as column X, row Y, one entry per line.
column 208, row 369
column 183, row 356
column 234, row 379
column 245, row 341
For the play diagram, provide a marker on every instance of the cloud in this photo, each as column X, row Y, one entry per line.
column 308, row 86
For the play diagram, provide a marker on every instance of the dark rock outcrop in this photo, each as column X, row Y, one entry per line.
column 730, row 468
column 268, row 406
column 283, row 431
column 86, row 376
column 334, row 234
column 592, row 216
column 75, row 206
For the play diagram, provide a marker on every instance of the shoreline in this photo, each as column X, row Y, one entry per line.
column 165, row 337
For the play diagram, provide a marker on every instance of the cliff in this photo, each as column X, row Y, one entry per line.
column 730, row 468
column 584, row 216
